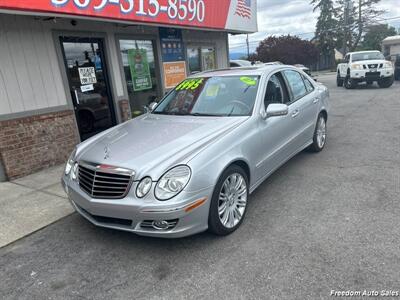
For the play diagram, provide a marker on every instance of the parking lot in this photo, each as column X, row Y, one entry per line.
column 323, row 222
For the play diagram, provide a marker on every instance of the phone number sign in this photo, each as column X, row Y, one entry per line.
column 188, row 13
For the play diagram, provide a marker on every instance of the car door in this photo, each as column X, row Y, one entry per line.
column 274, row 132
column 303, row 109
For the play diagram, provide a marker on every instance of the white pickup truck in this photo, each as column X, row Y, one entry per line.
column 365, row 66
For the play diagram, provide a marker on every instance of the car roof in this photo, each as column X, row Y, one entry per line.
column 253, row 70
column 363, row 51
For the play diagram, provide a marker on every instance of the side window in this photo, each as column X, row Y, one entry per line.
column 276, row 90
column 296, row 84
column 347, row 58
column 309, row 85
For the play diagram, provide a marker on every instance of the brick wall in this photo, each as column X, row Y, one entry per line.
column 32, row 143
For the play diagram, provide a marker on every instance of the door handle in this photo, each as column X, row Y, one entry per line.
column 76, row 96
column 295, row 113
column 315, row 100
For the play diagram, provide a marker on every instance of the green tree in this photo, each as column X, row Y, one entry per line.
column 325, row 33
column 374, row 36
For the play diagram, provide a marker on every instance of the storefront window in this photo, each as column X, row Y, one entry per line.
column 201, row 59
column 193, row 55
column 140, row 73
column 208, row 58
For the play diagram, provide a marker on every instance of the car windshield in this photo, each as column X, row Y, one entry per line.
column 367, row 56
column 211, row 96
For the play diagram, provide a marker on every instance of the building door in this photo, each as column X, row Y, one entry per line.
column 89, row 84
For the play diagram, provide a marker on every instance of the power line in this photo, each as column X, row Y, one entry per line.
column 241, row 44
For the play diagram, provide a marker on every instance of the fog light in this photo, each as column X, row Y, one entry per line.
column 160, row 225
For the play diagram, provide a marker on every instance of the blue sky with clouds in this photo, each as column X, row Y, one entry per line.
column 276, row 17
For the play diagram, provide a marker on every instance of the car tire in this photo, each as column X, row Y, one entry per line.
column 339, row 80
column 349, row 83
column 320, row 134
column 225, row 221
column 386, row 82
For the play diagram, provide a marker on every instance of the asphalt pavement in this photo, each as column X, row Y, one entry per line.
column 323, row 222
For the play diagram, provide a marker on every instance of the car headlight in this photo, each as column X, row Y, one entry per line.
column 143, row 187
column 357, row 66
column 70, row 163
column 172, row 182
column 387, row 64
column 74, row 173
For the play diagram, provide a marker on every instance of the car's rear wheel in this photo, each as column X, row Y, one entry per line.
column 320, row 134
column 229, row 201
column 339, row 80
column 386, row 82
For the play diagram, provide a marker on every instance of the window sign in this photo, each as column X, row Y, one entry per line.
column 87, row 75
column 140, row 71
column 174, row 73
column 171, row 44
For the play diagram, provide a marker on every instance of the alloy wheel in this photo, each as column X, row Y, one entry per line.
column 232, row 200
column 321, row 132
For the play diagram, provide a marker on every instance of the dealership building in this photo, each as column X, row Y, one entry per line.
column 72, row 68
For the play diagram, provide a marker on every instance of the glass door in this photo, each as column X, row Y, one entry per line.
column 89, row 84
column 141, row 73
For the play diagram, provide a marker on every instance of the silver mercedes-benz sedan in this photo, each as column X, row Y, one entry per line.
column 191, row 163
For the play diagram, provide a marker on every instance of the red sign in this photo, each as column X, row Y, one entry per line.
column 216, row 14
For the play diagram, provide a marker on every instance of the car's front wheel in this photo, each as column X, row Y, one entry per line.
column 320, row 134
column 229, row 201
column 349, row 83
column 386, row 82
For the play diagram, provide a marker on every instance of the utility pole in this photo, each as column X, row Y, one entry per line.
column 248, row 47
column 348, row 6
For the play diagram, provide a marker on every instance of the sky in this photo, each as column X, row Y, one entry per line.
column 295, row 17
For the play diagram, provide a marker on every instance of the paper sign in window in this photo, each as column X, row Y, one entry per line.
column 87, row 75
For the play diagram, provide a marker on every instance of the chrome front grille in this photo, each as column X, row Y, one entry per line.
column 103, row 181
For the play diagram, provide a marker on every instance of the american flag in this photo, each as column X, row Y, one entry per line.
column 243, row 8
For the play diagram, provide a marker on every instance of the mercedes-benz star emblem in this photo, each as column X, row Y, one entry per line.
column 106, row 152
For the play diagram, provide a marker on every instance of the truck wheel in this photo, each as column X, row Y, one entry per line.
column 339, row 80
column 349, row 83
column 386, row 82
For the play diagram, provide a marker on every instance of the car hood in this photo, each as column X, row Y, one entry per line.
column 370, row 62
column 151, row 144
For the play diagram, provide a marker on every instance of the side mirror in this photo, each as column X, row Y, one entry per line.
column 152, row 106
column 276, row 110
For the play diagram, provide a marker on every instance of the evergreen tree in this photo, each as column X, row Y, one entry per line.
column 326, row 33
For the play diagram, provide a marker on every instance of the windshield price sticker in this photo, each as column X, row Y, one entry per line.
column 248, row 80
column 189, row 84
column 188, row 10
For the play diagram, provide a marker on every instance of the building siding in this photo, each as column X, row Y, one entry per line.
column 30, row 77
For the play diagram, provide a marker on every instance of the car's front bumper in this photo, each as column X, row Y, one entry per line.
column 136, row 215
column 371, row 75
